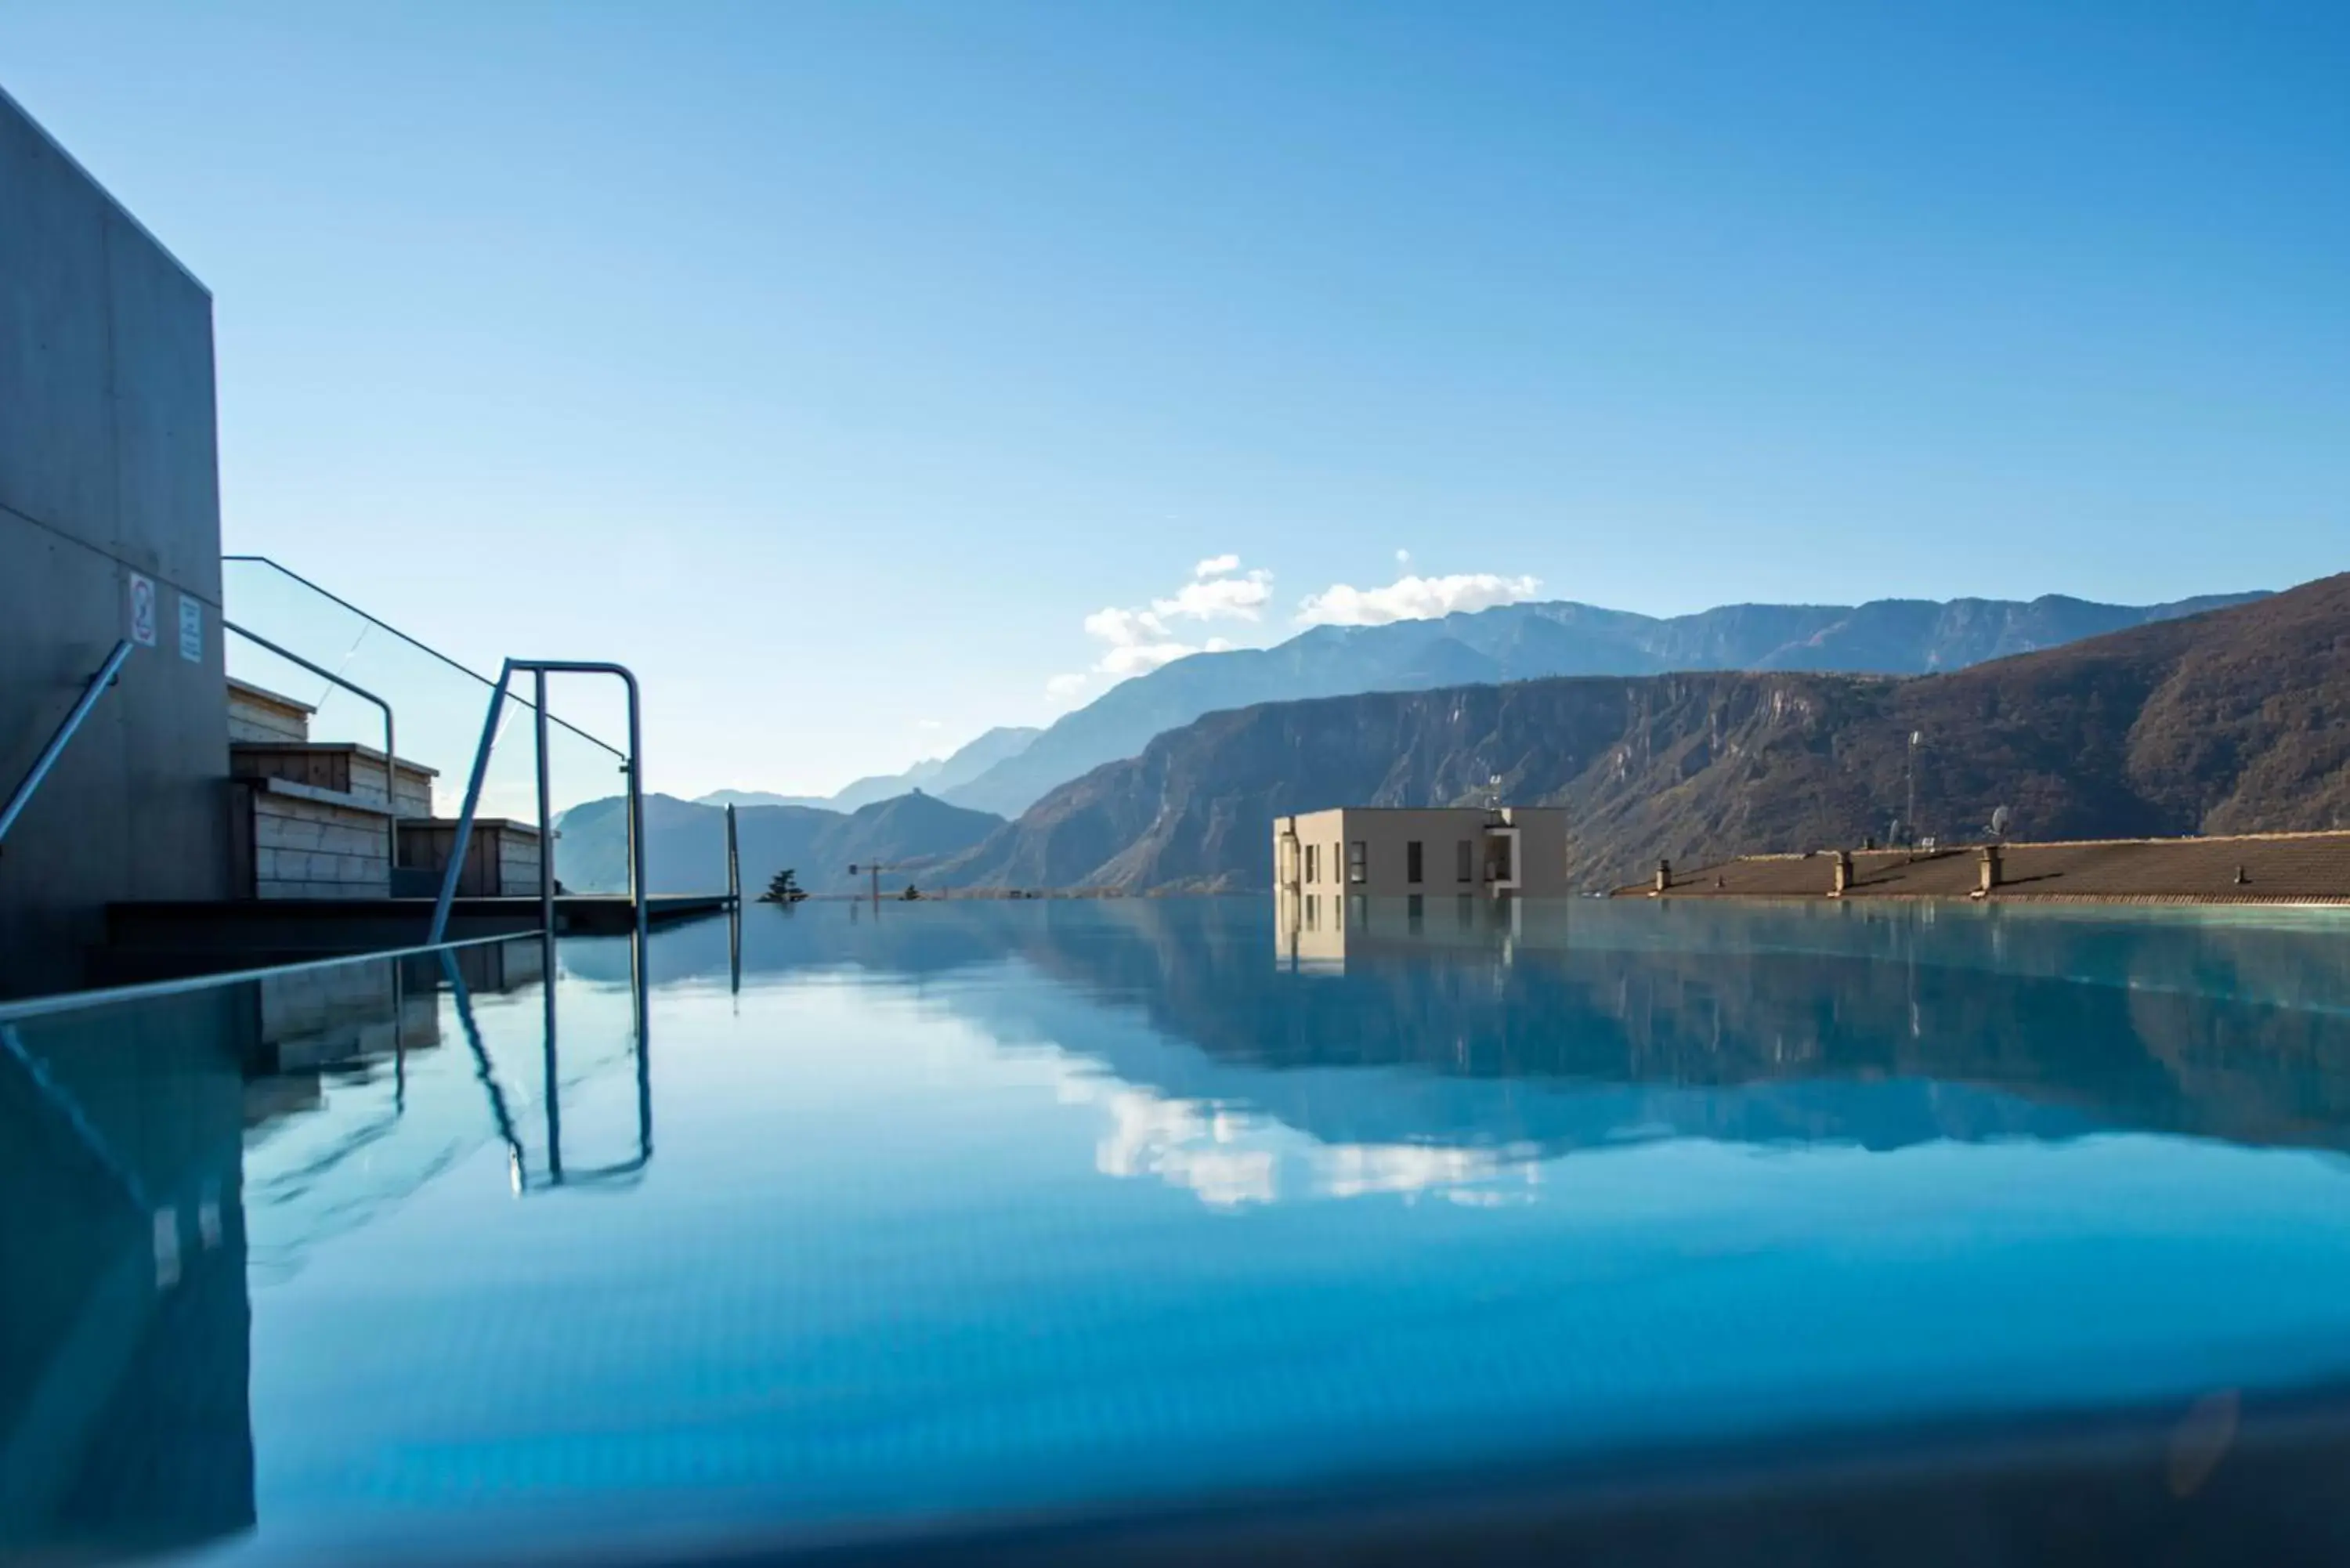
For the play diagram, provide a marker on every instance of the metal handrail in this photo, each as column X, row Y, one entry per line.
column 422, row 647
column 65, row 733
column 634, row 768
column 152, row 990
column 391, row 735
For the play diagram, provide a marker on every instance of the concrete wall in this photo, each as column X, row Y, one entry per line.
column 108, row 468
column 1541, row 851
column 1387, row 836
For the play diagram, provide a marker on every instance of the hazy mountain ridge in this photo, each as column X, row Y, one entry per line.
column 685, row 843
column 934, row 774
column 1527, row 641
column 2233, row 721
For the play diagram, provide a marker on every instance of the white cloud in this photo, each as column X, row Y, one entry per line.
column 929, row 724
column 1140, row 657
column 1403, row 559
column 1139, row 640
column 1219, row 598
column 1412, row 598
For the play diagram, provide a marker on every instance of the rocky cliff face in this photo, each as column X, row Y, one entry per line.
column 1529, row 641
column 2234, row 721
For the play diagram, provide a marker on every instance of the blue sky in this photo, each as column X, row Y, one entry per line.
column 834, row 364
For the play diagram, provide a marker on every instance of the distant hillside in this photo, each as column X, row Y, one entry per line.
column 726, row 797
column 685, row 843
column 1520, row 642
column 2235, row 720
column 937, row 775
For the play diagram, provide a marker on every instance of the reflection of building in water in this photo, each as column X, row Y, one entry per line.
column 343, row 1125
column 123, row 1342
column 158, row 1155
column 1389, row 851
column 1317, row 932
column 344, row 1013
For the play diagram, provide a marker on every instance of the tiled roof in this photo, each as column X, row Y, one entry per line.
column 2288, row 868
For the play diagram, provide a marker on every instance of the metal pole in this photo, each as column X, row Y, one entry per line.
column 546, row 829
column 637, row 882
column 633, row 766
column 552, row 1056
column 473, row 802
column 733, row 861
column 1912, row 821
column 484, row 1073
column 56, row 748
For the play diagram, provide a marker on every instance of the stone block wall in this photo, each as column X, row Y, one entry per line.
column 412, row 785
column 254, row 714
column 308, row 846
column 518, row 863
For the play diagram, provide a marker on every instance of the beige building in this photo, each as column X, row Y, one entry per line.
column 1390, row 852
column 1318, row 933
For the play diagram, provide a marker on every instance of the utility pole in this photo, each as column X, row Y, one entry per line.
column 874, row 869
column 733, row 861
column 1916, row 737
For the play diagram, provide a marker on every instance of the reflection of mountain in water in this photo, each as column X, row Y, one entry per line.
column 1569, row 1025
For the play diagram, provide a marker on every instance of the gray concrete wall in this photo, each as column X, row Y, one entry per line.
column 109, row 468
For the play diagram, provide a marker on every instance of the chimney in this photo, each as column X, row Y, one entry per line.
column 1843, row 874
column 1988, row 869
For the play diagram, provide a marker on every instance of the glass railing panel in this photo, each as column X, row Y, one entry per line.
column 438, row 707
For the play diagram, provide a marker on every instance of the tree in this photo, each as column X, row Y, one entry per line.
column 912, row 892
column 784, row 887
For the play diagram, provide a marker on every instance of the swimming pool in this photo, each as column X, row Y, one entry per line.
column 913, row 1216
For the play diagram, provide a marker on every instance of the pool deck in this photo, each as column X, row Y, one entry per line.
column 150, row 940
column 2254, row 868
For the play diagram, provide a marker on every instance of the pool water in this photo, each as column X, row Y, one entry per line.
column 934, row 1212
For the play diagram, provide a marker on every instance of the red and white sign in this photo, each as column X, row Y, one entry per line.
column 142, row 610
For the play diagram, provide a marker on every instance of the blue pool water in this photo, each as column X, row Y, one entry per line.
column 979, row 1208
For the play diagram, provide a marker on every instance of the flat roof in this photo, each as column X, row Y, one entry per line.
column 1324, row 810
column 2275, row 867
column 247, row 688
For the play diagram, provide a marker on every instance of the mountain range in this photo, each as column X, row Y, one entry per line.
column 685, row 843
column 2228, row 720
column 1527, row 641
column 937, row 775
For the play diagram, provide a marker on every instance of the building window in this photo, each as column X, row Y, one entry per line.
column 1465, row 863
column 1358, row 861
column 1313, row 854
column 1411, row 861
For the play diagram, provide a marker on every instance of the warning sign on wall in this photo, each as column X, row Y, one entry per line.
column 142, row 610
column 191, row 629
